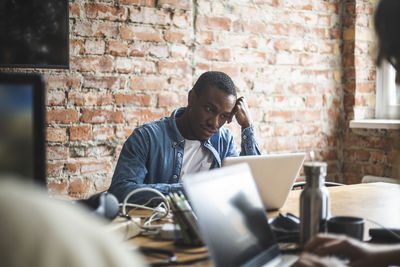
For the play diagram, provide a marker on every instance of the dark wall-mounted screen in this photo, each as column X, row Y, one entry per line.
column 34, row 33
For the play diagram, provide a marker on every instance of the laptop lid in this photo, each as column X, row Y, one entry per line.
column 231, row 216
column 274, row 175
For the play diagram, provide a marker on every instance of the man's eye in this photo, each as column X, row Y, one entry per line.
column 208, row 109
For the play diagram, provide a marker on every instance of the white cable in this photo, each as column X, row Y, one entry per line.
column 157, row 212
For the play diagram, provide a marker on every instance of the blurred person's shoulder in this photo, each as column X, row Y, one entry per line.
column 40, row 231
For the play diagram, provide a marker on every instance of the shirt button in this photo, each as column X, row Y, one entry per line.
column 175, row 176
column 245, row 137
column 179, row 155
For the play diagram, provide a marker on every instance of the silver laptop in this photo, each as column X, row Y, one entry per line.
column 232, row 219
column 274, row 175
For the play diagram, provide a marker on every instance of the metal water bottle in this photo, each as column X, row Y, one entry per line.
column 314, row 201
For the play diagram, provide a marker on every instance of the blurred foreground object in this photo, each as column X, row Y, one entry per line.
column 38, row 231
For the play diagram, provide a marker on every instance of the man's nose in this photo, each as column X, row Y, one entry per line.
column 214, row 122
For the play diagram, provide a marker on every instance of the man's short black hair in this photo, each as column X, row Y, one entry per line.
column 387, row 23
column 215, row 79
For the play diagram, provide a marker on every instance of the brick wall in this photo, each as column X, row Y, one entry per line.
column 365, row 152
column 133, row 61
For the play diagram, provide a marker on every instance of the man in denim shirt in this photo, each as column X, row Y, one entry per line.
column 192, row 139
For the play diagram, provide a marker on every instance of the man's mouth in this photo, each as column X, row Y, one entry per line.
column 208, row 132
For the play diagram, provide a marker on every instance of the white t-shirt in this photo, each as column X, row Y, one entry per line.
column 196, row 157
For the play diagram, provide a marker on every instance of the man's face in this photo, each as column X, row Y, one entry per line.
column 209, row 111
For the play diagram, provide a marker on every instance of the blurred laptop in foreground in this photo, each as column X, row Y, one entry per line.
column 232, row 218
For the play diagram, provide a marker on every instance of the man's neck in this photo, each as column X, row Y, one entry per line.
column 182, row 122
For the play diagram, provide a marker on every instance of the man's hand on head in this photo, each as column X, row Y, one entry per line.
column 242, row 113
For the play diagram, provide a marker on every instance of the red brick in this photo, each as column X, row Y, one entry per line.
column 281, row 144
column 76, row 47
column 95, row 47
column 102, row 184
column 54, row 169
column 95, row 167
column 374, row 169
column 160, row 51
column 308, row 115
column 253, row 27
column 90, row 98
column 256, row 56
column 55, row 98
column 206, row 23
column 302, row 88
column 96, row 29
column 55, row 81
column 74, row 10
column 280, row 116
column 146, row 15
column 377, row 157
column 72, row 168
column 181, row 20
column 80, row 133
column 215, row 54
column 56, row 135
column 79, row 186
column 267, row 2
column 102, row 116
column 179, row 4
column 314, row 101
column 117, row 48
column 179, row 51
column 100, row 151
column 302, row 5
column 103, row 133
column 168, row 99
column 105, row 12
column 334, row 34
column 144, row 115
column 282, row 130
column 123, row 133
column 141, row 33
column 62, row 116
column 182, row 84
column 362, row 155
column 131, row 65
column 173, row 68
column 176, row 36
column 148, row 83
column 93, row 64
column 104, row 82
column 367, row 87
column 56, row 152
column 138, row 50
column 57, row 187
column 127, row 99
column 148, row 3
column 229, row 68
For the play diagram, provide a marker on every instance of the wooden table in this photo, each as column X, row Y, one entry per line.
column 378, row 202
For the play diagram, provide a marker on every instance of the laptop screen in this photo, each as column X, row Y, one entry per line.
column 231, row 216
column 22, row 132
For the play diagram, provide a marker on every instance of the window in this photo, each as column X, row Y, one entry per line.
column 387, row 93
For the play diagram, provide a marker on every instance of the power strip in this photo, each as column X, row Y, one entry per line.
column 127, row 228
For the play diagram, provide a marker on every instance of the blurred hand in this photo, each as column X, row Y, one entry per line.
column 241, row 113
column 358, row 253
column 310, row 260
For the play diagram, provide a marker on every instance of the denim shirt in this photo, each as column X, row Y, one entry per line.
column 152, row 156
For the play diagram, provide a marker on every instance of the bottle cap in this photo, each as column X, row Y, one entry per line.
column 315, row 169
